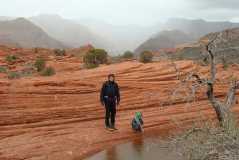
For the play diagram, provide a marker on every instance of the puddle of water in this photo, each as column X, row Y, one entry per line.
column 148, row 149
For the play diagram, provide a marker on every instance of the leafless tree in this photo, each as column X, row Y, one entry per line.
column 222, row 109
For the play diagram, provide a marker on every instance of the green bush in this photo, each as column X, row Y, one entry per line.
column 128, row 55
column 11, row 58
column 35, row 50
column 40, row 64
column 91, row 65
column 3, row 69
column 96, row 57
column 14, row 75
column 48, row 71
column 146, row 57
column 60, row 52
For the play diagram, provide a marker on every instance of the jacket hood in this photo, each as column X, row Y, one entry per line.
column 138, row 115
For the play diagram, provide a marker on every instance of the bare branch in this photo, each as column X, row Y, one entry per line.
column 230, row 99
column 221, row 109
column 210, row 45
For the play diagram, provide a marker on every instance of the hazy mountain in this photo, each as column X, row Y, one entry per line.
column 69, row 31
column 129, row 37
column 182, row 31
column 164, row 39
column 227, row 49
column 5, row 18
column 22, row 33
column 197, row 28
column 117, row 39
column 124, row 37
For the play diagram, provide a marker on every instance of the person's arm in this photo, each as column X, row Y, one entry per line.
column 141, row 124
column 118, row 93
column 141, row 121
column 102, row 94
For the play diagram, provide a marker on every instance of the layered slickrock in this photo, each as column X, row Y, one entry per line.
column 60, row 117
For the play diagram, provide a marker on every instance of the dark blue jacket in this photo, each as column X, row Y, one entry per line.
column 110, row 90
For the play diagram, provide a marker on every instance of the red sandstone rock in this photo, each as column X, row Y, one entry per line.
column 60, row 117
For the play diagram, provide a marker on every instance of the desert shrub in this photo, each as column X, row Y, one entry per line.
column 35, row 50
column 128, row 55
column 91, row 65
column 96, row 57
column 146, row 57
column 48, row 71
column 60, row 52
column 116, row 59
column 40, row 64
column 3, row 69
column 14, row 75
column 11, row 58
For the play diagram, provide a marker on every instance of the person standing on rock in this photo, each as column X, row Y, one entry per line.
column 110, row 98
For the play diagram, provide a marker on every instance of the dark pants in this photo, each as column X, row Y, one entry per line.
column 136, row 127
column 110, row 112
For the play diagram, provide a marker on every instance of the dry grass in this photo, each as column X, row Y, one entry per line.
column 209, row 142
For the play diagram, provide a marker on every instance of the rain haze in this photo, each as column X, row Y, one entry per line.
column 121, row 25
column 125, row 12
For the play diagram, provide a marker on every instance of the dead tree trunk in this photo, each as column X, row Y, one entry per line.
column 222, row 109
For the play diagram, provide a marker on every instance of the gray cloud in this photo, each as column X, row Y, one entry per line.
column 123, row 12
column 215, row 4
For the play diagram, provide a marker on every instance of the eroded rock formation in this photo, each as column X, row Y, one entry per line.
column 60, row 117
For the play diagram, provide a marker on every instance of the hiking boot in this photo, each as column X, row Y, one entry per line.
column 113, row 127
column 107, row 126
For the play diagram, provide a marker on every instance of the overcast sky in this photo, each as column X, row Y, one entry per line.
column 123, row 12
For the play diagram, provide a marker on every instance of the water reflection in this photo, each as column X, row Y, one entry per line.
column 111, row 154
column 140, row 149
column 138, row 145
